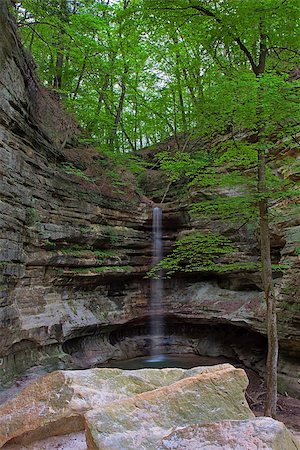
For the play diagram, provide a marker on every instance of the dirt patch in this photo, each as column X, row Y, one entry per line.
column 288, row 408
column 74, row 441
column 98, row 173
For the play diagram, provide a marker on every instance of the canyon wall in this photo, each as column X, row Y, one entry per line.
column 74, row 252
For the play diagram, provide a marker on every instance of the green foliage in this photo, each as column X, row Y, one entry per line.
column 98, row 270
column 237, row 154
column 234, row 208
column 183, row 164
column 280, row 267
column 196, row 252
column 79, row 252
column 72, row 170
column 31, row 216
column 135, row 72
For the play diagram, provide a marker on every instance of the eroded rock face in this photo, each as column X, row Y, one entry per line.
column 259, row 433
column 64, row 245
column 73, row 257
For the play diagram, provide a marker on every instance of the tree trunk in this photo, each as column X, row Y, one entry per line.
column 58, row 69
column 80, row 78
column 102, row 93
column 179, row 84
column 120, row 109
column 258, row 68
column 57, row 79
column 268, row 285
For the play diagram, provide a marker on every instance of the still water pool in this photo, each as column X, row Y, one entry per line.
column 164, row 361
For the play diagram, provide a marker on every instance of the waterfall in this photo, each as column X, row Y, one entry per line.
column 156, row 319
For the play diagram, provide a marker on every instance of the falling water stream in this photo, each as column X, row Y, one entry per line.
column 156, row 317
column 159, row 356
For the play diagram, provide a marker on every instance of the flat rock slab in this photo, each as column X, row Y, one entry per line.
column 142, row 421
column 56, row 403
column 255, row 434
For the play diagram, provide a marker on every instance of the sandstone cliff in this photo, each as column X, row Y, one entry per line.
column 74, row 253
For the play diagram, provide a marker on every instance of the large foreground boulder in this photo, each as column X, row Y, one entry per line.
column 255, row 434
column 57, row 403
column 141, row 422
column 145, row 409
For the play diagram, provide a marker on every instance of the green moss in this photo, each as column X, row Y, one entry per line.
column 70, row 169
column 291, row 307
column 50, row 245
column 76, row 250
column 99, row 254
column 104, row 255
column 112, row 235
column 102, row 269
column 31, row 216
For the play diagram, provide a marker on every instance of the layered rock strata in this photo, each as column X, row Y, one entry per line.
column 74, row 252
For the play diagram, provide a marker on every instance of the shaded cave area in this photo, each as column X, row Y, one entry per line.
column 186, row 343
column 219, row 342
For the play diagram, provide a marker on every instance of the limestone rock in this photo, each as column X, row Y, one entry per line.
column 141, row 422
column 259, row 433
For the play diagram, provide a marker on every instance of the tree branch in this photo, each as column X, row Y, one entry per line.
column 237, row 39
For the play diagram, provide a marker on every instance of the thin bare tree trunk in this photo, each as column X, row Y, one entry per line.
column 179, row 84
column 57, row 79
column 102, row 93
column 119, row 110
column 268, row 285
column 58, row 69
column 80, row 78
column 258, row 66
